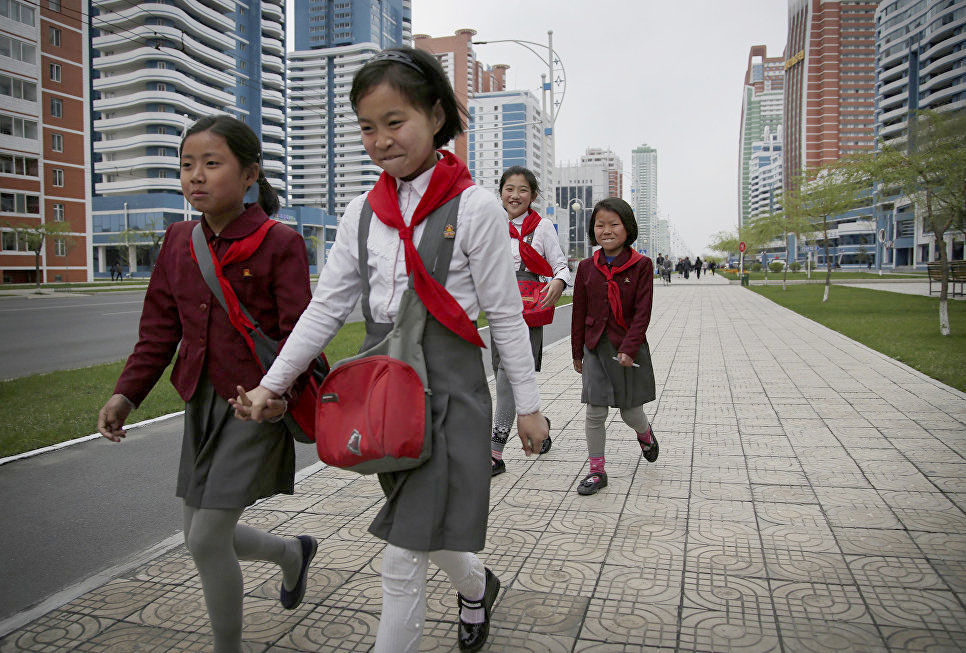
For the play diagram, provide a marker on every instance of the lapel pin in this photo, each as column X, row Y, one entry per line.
column 449, row 231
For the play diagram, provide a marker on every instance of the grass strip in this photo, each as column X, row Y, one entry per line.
column 819, row 275
column 44, row 409
column 904, row 327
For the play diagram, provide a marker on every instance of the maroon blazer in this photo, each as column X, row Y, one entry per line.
column 591, row 312
column 273, row 284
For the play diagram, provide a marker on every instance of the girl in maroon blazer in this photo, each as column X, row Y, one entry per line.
column 226, row 464
column 613, row 292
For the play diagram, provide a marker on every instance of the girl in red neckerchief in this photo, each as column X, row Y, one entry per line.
column 536, row 253
column 437, row 512
column 226, row 465
column 612, row 308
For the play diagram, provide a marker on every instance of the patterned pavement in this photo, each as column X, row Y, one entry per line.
column 809, row 496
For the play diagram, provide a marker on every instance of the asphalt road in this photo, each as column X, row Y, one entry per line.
column 73, row 513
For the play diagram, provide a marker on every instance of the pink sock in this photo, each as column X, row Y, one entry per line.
column 645, row 437
column 496, row 455
column 596, row 464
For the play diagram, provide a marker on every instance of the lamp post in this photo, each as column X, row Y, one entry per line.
column 187, row 209
column 557, row 77
column 576, row 209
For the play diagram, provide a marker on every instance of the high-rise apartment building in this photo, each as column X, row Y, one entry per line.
column 578, row 187
column 829, row 82
column 611, row 163
column 328, row 165
column 466, row 73
column 761, row 109
column 156, row 69
column 920, row 65
column 506, row 128
column 44, row 147
column 765, row 174
column 644, row 195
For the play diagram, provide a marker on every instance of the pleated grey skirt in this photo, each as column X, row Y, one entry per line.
column 536, row 347
column 605, row 382
column 227, row 463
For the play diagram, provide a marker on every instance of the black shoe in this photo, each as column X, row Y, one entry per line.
column 472, row 637
column 592, row 483
column 651, row 450
column 545, row 447
column 291, row 600
column 497, row 467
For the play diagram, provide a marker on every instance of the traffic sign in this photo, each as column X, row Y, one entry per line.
column 742, row 247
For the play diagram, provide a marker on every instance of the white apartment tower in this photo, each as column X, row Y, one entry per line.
column 611, row 163
column 644, row 194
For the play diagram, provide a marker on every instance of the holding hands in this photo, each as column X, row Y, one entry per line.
column 258, row 404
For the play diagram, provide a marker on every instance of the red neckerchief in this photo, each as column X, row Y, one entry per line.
column 613, row 291
column 450, row 178
column 240, row 250
column 531, row 257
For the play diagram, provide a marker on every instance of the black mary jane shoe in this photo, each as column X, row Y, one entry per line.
column 545, row 447
column 472, row 637
column 497, row 467
column 592, row 483
column 291, row 599
column 650, row 450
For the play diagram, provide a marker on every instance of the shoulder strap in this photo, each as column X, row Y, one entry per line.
column 365, row 219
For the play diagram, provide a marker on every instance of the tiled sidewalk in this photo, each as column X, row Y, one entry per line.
column 809, row 497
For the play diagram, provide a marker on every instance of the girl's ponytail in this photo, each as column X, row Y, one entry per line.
column 267, row 197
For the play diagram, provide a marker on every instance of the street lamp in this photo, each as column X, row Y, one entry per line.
column 576, row 209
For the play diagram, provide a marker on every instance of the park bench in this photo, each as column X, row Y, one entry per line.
column 957, row 274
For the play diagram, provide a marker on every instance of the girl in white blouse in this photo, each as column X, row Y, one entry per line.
column 536, row 254
column 437, row 512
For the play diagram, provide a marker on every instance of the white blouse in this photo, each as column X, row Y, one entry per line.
column 546, row 243
column 481, row 276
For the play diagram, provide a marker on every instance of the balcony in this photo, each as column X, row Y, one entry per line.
column 134, row 81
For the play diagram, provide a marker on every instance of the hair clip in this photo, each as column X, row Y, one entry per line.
column 395, row 56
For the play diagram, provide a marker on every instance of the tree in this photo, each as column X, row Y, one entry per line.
column 930, row 169
column 782, row 223
column 727, row 242
column 822, row 194
column 35, row 236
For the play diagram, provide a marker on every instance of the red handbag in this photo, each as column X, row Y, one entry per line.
column 533, row 315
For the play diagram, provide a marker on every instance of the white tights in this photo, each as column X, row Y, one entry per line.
column 404, row 592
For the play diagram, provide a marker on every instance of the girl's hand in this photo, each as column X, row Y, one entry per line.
column 553, row 289
column 625, row 360
column 533, row 430
column 258, row 404
column 110, row 419
column 579, row 365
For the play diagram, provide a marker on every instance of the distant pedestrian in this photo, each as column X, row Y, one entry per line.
column 226, row 464
column 686, row 266
column 116, row 272
column 697, row 266
column 666, row 271
column 711, row 266
column 613, row 293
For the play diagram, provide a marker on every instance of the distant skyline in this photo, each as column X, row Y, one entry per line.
column 668, row 75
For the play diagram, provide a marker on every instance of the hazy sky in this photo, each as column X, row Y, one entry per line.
column 667, row 73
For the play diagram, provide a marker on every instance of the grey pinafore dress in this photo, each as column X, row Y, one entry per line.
column 443, row 504
column 229, row 464
column 536, row 333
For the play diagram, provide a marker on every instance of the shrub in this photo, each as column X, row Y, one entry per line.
column 776, row 266
column 795, row 266
column 756, row 267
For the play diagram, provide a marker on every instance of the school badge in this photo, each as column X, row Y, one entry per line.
column 246, row 272
column 355, row 440
column 449, row 231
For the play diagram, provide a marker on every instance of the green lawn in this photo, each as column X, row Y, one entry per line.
column 45, row 409
column 819, row 274
column 904, row 327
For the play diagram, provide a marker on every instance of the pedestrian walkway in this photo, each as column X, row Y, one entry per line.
column 809, row 496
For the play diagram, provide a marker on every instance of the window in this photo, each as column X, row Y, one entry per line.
column 17, row 88
column 53, row 36
column 60, row 246
column 53, row 5
column 56, row 107
column 57, row 142
column 19, row 11
column 18, row 50
column 19, row 203
column 58, row 212
column 12, row 164
column 19, row 127
column 58, row 177
column 55, row 72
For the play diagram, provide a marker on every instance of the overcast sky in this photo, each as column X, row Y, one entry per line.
column 660, row 72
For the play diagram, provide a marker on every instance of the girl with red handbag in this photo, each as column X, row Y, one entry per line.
column 536, row 253
column 226, row 465
column 613, row 293
column 436, row 512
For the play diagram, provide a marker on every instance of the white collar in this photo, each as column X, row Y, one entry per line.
column 419, row 184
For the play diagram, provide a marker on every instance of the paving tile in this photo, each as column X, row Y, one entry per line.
column 331, row 628
column 783, row 494
column 818, row 601
column 821, row 636
column 176, row 567
column 915, row 608
column 870, row 541
column 894, row 572
column 540, row 612
column 54, row 632
column 711, row 630
column 626, row 625
column 807, row 566
column 797, row 537
column 727, row 592
column 738, row 558
column 658, row 581
column 560, row 576
column 629, row 551
column 917, row 639
column 134, row 637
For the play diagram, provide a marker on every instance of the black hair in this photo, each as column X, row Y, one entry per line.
column 623, row 210
column 243, row 143
column 529, row 176
column 417, row 75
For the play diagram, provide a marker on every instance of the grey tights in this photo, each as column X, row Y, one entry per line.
column 594, row 426
column 217, row 542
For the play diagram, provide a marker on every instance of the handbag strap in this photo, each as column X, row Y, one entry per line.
column 437, row 253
